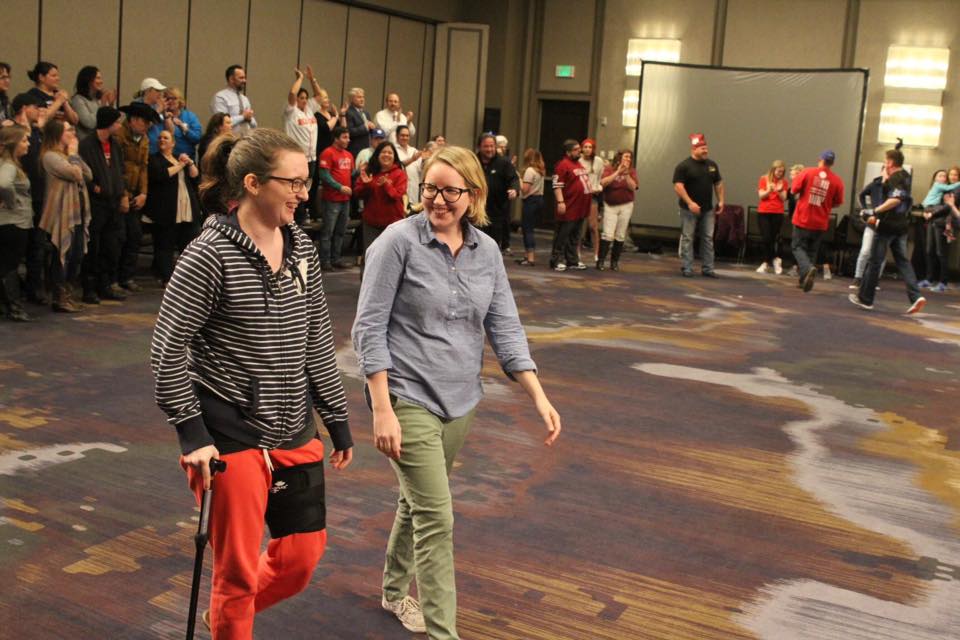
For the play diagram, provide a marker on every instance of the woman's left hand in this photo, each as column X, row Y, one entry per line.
column 550, row 418
column 341, row 459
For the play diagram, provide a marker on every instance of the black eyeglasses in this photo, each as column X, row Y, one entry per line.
column 450, row 194
column 296, row 184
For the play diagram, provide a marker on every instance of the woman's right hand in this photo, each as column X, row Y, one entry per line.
column 200, row 459
column 386, row 433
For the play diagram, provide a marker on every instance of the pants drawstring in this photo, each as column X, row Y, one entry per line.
column 266, row 458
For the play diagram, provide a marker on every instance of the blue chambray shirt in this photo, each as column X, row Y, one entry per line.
column 422, row 315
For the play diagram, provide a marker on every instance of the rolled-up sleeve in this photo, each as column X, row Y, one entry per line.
column 504, row 330
column 383, row 270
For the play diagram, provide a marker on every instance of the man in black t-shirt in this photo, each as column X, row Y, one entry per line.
column 695, row 180
column 890, row 220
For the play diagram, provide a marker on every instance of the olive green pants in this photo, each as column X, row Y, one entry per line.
column 421, row 542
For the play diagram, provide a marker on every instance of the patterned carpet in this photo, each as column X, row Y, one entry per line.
column 739, row 460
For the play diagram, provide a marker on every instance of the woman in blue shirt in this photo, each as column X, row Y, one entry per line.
column 433, row 286
column 186, row 127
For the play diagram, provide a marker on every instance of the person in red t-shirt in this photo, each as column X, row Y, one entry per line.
column 571, row 187
column 819, row 190
column 772, row 190
column 381, row 186
column 336, row 167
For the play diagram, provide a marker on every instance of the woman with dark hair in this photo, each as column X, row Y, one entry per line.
column 16, row 218
column 243, row 352
column 6, row 113
column 66, row 208
column 381, row 186
column 619, row 183
column 46, row 80
column 172, row 203
column 219, row 124
column 531, row 190
column 87, row 98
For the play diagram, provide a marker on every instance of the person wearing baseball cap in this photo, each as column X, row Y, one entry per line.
column 819, row 190
column 134, row 140
column 103, row 153
column 695, row 180
column 377, row 136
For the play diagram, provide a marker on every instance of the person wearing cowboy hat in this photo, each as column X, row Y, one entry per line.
column 136, row 155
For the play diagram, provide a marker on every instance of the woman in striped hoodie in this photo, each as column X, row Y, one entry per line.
column 243, row 353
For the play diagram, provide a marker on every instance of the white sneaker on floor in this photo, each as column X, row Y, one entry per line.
column 777, row 266
column 763, row 268
column 826, row 272
column 561, row 266
column 917, row 305
column 408, row 612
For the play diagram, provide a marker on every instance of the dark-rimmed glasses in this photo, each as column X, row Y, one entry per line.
column 296, row 184
column 449, row 194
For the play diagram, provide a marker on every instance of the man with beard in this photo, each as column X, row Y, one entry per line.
column 573, row 193
column 503, row 185
column 233, row 101
column 695, row 180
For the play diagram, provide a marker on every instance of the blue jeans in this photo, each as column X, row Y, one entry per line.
column 335, row 216
column 688, row 226
column 898, row 247
column 531, row 212
column 805, row 244
column 865, row 245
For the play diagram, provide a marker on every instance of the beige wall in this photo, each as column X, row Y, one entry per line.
column 189, row 43
column 690, row 21
column 927, row 23
column 458, row 81
column 61, row 24
column 777, row 33
column 567, row 40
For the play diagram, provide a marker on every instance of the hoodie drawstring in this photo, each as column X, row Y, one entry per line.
column 266, row 458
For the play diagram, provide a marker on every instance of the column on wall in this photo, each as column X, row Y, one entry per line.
column 459, row 81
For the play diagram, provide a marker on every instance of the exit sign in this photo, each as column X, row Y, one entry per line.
column 566, row 71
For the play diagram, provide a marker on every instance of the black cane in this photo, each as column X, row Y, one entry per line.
column 200, row 541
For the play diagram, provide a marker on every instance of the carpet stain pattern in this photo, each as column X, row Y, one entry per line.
column 739, row 461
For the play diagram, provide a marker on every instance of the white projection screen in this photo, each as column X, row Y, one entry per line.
column 750, row 118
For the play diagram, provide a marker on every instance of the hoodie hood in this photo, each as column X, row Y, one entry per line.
column 295, row 253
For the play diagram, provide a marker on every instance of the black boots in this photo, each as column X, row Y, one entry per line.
column 615, row 255
column 602, row 255
column 10, row 299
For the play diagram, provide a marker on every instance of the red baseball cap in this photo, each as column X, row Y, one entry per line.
column 697, row 140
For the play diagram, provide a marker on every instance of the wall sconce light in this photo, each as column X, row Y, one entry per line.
column 650, row 49
column 917, row 124
column 631, row 107
column 917, row 67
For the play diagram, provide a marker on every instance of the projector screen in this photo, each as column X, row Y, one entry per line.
column 750, row 117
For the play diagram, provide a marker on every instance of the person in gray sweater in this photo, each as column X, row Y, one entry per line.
column 88, row 97
column 16, row 218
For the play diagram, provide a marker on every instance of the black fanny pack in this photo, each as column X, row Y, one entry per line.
column 296, row 502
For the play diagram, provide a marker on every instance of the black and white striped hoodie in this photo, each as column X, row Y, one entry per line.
column 240, row 353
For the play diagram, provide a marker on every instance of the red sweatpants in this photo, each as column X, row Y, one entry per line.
column 245, row 580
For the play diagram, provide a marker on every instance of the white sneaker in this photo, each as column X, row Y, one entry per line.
column 763, row 268
column 560, row 267
column 408, row 612
column 777, row 266
column 826, row 272
column 580, row 266
column 917, row 305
